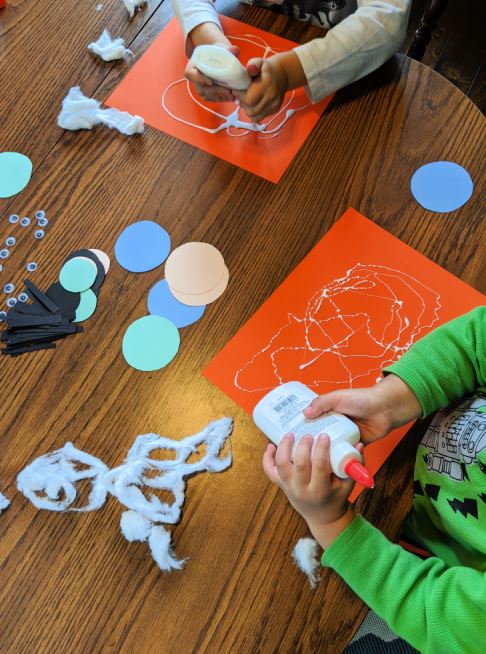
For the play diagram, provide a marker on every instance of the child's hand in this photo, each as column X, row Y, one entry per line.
column 265, row 94
column 273, row 77
column 376, row 410
column 206, row 87
column 318, row 495
column 210, row 34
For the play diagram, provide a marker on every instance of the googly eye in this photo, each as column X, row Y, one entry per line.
column 23, row 297
column 1, row 267
column 11, row 302
column 42, row 222
column 4, row 253
column 8, row 288
column 13, row 219
column 25, row 222
column 39, row 215
column 39, row 233
column 31, row 266
column 3, row 315
column 10, row 241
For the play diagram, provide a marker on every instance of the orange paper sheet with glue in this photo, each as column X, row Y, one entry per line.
column 155, row 89
column 355, row 304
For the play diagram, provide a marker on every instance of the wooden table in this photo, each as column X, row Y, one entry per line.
column 70, row 583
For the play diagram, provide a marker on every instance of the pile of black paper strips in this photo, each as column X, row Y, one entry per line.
column 49, row 316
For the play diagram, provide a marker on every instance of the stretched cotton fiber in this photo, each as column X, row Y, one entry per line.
column 306, row 556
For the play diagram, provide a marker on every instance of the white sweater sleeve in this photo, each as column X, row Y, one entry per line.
column 359, row 44
column 191, row 13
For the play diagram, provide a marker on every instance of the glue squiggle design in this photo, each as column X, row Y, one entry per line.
column 231, row 121
column 394, row 310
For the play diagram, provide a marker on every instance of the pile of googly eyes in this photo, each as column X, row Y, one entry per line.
column 41, row 220
column 10, row 241
column 35, row 319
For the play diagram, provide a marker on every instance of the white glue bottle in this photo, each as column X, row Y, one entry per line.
column 280, row 412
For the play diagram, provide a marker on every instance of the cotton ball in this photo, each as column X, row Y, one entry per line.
column 306, row 558
column 3, row 502
column 53, row 488
column 160, row 546
column 109, row 49
column 134, row 526
column 133, row 6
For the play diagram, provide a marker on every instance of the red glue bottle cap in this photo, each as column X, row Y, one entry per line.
column 359, row 473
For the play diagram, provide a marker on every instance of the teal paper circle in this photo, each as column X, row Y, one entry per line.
column 150, row 343
column 15, row 172
column 86, row 306
column 77, row 275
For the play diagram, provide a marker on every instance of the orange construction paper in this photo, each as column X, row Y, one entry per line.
column 355, row 304
column 140, row 92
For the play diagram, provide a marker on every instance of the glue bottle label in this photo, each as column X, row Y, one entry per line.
column 287, row 413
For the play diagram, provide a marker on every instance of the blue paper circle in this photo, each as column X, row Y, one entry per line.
column 441, row 186
column 142, row 246
column 161, row 302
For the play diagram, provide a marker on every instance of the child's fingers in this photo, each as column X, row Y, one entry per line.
column 259, row 112
column 224, row 95
column 268, row 104
column 214, row 93
column 321, row 465
column 252, row 97
column 302, row 460
column 283, row 457
column 234, row 49
column 196, row 77
column 254, row 66
column 323, row 404
column 269, row 466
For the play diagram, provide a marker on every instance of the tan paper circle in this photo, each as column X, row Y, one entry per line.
column 194, row 268
column 198, row 299
column 103, row 257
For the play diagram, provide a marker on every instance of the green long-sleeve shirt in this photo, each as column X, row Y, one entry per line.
column 438, row 605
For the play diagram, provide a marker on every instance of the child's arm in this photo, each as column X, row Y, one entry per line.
column 437, row 370
column 437, row 609
column 358, row 45
column 198, row 18
column 201, row 25
column 361, row 43
column 446, row 364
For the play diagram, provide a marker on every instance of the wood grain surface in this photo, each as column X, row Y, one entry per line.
column 70, row 583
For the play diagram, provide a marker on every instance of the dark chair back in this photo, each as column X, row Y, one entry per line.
column 428, row 22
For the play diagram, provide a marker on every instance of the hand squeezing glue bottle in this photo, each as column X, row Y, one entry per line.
column 281, row 411
column 221, row 66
